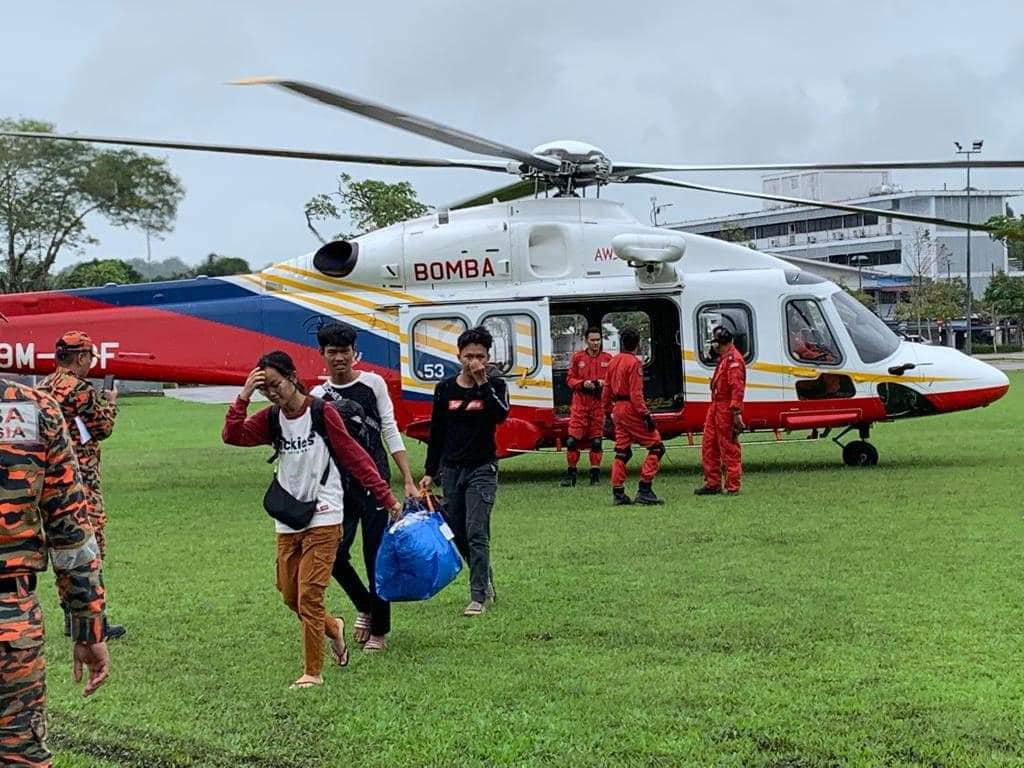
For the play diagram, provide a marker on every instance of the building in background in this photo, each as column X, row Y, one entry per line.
column 882, row 254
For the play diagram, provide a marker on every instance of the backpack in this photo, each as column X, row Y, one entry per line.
column 352, row 415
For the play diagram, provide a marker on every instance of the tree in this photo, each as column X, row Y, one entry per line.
column 168, row 269
column 368, row 205
column 1004, row 298
column 48, row 190
column 860, row 295
column 1009, row 230
column 221, row 266
column 921, row 262
column 89, row 274
column 734, row 233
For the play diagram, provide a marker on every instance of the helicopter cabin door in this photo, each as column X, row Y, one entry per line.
column 521, row 355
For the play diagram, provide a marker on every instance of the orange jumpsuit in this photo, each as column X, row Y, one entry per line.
column 586, row 413
column 720, row 446
column 623, row 398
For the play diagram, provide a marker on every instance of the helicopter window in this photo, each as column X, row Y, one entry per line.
column 515, row 343
column 871, row 337
column 735, row 317
column 826, row 387
column 615, row 322
column 810, row 338
column 435, row 354
column 566, row 339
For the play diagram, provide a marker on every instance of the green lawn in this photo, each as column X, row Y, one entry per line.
column 826, row 617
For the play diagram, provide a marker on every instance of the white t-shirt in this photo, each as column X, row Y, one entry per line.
column 300, row 467
column 367, row 380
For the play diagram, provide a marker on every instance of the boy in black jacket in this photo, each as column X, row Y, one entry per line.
column 468, row 408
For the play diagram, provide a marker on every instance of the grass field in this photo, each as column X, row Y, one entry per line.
column 826, row 617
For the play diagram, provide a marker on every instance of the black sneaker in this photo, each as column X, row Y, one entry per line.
column 595, row 476
column 706, row 491
column 619, row 498
column 569, row 481
column 645, row 495
column 114, row 631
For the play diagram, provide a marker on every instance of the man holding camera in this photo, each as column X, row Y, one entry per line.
column 630, row 421
column 90, row 418
column 585, row 377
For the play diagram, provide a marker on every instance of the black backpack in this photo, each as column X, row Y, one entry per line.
column 352, row 415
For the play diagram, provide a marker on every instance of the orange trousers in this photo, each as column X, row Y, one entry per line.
column 304, row 563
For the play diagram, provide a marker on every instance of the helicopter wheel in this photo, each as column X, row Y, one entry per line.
column 860, row 453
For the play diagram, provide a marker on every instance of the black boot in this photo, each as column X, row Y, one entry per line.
column 67, row 621
column 595, row 476
column 569, row 481
column 113, row 631
column 619, row 497
column 705, row 490
column 645, row 495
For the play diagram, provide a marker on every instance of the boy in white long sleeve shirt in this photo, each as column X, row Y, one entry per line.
column 381, row 436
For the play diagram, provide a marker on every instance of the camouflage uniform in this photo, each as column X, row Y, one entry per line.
column 79, row 399
column 42, row 510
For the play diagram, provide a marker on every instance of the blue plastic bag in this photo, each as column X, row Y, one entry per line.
column 417, row 556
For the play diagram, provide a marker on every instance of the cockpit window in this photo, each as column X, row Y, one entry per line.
column 810, row 338
column 871, row 337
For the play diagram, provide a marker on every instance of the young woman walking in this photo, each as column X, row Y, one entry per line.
column 311, row 441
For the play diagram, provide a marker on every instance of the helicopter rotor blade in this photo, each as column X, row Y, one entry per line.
column 408, row 122
column 880, row 212
column 338, row 157
column 632, row 169
column 514, row 191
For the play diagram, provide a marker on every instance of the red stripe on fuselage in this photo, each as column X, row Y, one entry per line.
column 152, row 344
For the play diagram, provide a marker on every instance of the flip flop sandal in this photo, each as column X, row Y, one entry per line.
column 362, row 628
column 340, row 657
column 297, row 686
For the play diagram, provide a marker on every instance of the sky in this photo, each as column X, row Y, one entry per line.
column 675, row 82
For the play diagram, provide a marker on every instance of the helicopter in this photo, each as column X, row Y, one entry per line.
column 537, row 262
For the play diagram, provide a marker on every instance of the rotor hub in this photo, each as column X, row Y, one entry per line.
column 580, row 161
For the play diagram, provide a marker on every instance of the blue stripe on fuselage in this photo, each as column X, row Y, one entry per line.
column 223, row 302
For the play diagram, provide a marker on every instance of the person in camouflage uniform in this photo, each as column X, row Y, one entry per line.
column 90, row 417
column 42, row 512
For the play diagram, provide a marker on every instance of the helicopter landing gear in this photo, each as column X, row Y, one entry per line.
column 858, row 453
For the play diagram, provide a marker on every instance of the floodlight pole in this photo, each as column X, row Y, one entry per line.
column 976, row 148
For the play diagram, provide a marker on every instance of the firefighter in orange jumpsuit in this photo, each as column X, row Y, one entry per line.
column 724, row 423
column 623, row 400
column 585, row 377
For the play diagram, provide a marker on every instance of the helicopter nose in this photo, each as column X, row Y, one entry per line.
column 971, row 383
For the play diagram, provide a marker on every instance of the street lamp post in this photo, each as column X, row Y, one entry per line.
column 860, row 259
column 975, row 149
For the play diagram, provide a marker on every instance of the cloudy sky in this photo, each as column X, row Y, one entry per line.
column 741, row 81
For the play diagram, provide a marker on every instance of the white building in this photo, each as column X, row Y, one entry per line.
column 899, row 249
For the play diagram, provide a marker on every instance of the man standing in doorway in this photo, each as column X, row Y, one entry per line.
column 724, row 423
column 90, row 417
column 631, row 421
column 380, row 436
column 586, row 377
column 468, row 408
